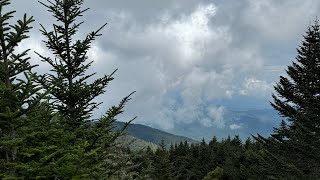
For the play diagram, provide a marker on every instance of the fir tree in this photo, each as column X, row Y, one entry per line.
column 216, row 174
column 297, row 100
column 89, row 140
column 69, row 85
column 18, row 94
column 43, row 137
column 143, row 163
column 161, row 163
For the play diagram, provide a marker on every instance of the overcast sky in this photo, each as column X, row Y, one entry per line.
column 188, row 60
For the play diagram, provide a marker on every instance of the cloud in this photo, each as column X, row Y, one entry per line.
column 235, row 126
column 280, row 20
column 168, row 55
column 191, row 33
column 188, row 54
column 257, row 88
column 201, row 85
column 181, row 42
column 183, row 58
column 216, row 115
column 35, row 45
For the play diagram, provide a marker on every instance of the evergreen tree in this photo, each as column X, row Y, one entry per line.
column 216, row 174
column 18, row 94
column 184, row 162
column 297, row 98
column 72, row 96
column 161, row 163
column 237, row 160
column 143, row 163
column 42, row 138
column 121, row 164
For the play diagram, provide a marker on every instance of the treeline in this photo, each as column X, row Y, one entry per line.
column 226, row 159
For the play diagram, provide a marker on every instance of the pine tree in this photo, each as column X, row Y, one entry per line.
column 89, row 140
column 18, row 94
column 297, row 101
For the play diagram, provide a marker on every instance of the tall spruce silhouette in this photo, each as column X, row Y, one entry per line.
column 297, row 100
column 73, row 95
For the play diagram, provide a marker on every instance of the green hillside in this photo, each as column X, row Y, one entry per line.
column 135, row 144
column 153, row 135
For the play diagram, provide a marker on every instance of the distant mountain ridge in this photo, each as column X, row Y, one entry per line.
column 249, row 122
column 152, row 135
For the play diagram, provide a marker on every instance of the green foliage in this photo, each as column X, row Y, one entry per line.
column 162, row 166
column 86, row 144
column 68, row 85
column 216, row 174
column 296, row 140
column 135, row 144
column 185, row 161
column 19, row 95
column 143, row 161
column 54, row 137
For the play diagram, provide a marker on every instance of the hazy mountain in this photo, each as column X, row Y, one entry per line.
column 152, row 135
column 243, row 123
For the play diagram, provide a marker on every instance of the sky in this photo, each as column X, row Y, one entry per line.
column 188, row 60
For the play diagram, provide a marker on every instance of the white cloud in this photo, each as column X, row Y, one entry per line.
column 35, row 45
column 188, row 53
column 98, row 55
column 181, row 42
column 199, row 84
column 235, row 126
column 207, row 122
column 257, row 88
column 191, row 33
column 216, row 114
column 281, row 20
column 179, row 62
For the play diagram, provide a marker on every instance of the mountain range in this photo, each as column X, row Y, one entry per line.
column 140, row 136
column 243, row 123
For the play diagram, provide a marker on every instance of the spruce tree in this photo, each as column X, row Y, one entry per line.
column 18, row 94
column 216, row 174
column 42, row 138
column 161, row 163
column 297, row 100
column 72, row 96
